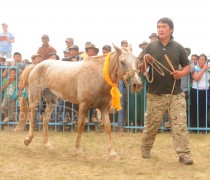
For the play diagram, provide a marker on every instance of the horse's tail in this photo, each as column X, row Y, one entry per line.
column 24, row 109
column 25, row 75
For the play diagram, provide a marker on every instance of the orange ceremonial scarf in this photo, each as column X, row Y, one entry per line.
column 115, row 93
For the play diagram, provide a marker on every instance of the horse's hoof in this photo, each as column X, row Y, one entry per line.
column 114, row 157
column 78, row 153
column 27, row 141
column 48, row 146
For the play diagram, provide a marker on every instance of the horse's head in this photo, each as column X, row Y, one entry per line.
column 127, row 69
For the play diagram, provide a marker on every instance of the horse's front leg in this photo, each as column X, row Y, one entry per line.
column 81, row 125
column 107, row 125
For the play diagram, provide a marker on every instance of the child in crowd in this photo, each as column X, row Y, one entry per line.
column 8, row 104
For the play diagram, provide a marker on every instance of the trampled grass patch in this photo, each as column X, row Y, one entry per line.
column 18, row 161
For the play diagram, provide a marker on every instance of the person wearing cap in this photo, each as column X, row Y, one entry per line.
column 106, row 49
column 84, row 54
column 36, row 58
column 45, row 49
column 91, row 50
column 74, row 53
column 69, row 42
column 153, row 37
column 159, row 98
column 142, row 46
column 124, row 43
column 6, row 40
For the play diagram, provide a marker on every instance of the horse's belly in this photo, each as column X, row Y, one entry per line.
column 58, row 94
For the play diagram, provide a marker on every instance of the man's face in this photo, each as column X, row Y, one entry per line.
column 4, row 27
column 164, row 31
column 91, row 52
column 13, row 74
column 74, row 52
column 2, row 61
column 37, row 60
column 153, row 38
column 69, row 43
column 45, row 40
column 17, row 58
column 124, row 44
column 105, row 51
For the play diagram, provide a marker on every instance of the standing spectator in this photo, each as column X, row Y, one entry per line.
column 159, row 90
column 69, row 42
column 194, row 59
column 6, row 40
column 124, row 43
column 153, row 37
column 106, row 49
column 91, row 50
column 84, row 54
column 123, row 90
column 8, row 104
column 74, row 54
column 198, row 93
column 142, row 46
column 185, row 81
column 45, row 49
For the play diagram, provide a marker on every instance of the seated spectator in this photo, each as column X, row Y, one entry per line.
column 91, row 50
column 46, row 48
column 106, row 49
column 53, row 56
column 8, row 104
column 36, row 58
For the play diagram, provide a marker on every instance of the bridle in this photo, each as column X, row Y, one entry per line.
column 127, row 76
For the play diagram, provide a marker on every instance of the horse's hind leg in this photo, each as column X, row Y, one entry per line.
column 81, row 124
column 33, row 103
column 107, row 125
column 50, row 105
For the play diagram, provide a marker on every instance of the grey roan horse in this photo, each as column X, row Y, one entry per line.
column 81, row 83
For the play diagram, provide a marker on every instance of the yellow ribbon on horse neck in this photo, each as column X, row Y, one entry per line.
column 115, row 93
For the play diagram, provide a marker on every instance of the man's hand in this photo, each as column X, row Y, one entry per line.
column 177, row 74
column 148, row 57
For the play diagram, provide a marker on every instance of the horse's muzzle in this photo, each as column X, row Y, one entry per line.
column 137, row 87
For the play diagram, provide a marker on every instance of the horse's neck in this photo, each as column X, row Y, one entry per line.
column 113, row 67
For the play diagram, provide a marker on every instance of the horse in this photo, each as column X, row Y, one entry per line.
column 81, row 83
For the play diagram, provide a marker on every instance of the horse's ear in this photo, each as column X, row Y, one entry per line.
column 130, row 47
column 117, row 49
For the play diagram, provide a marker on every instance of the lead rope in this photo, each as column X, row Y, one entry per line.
column 160, row 71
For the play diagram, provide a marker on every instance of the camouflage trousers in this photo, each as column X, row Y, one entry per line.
column 157, row 106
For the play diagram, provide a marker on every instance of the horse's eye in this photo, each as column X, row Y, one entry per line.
column 122, row 63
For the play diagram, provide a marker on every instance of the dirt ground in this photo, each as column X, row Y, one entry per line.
column 18, row 161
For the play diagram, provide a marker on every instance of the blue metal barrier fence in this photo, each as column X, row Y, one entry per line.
column 131, row 119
